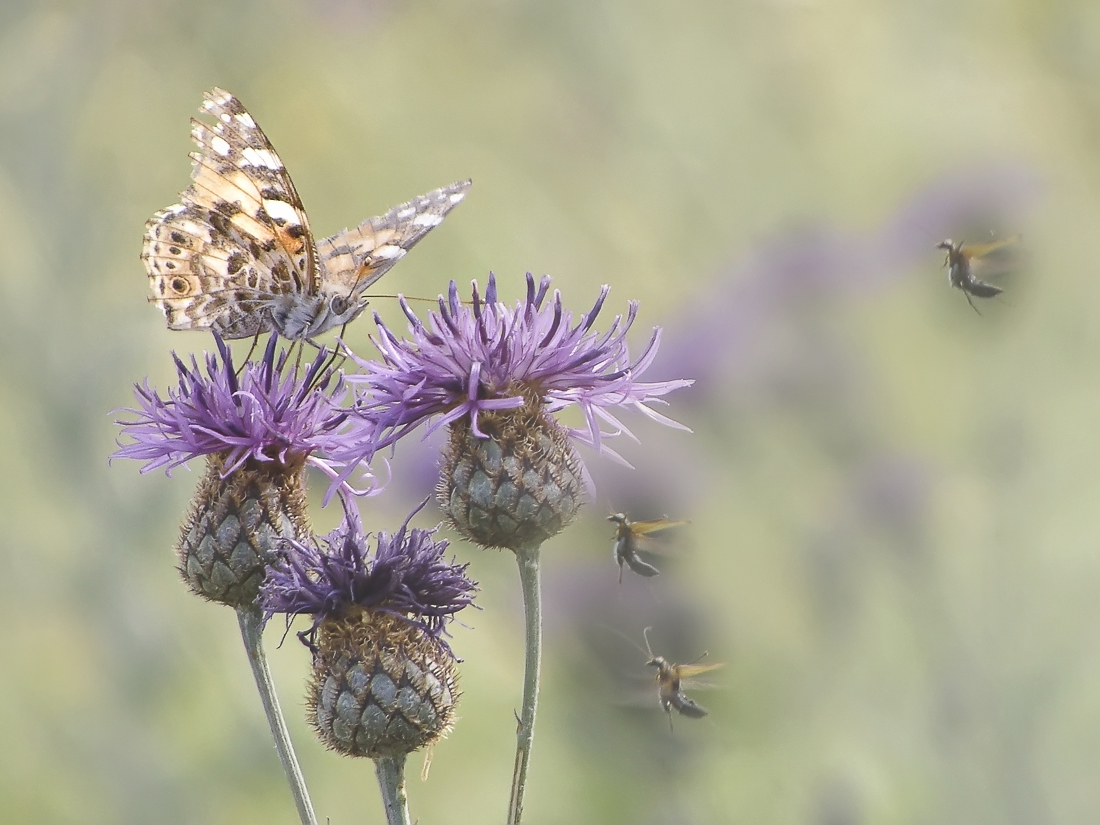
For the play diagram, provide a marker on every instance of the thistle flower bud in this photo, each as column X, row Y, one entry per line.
column 381, row 686
column 234, row 525
column 383, row 682
column 515, row 486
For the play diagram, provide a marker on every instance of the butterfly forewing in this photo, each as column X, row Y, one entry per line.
column 249, row 159
column 356, row 258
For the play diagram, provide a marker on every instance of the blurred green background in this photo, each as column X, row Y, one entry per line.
column 894, row 545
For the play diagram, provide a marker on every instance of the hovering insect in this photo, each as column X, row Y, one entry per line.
column 963, row 262
column 670, row 692
column 626, row 539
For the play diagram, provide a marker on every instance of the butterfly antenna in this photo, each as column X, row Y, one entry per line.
column 418, row 298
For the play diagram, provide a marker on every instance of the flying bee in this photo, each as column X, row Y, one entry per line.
column 964, row 262
column 627, row 536
column 670, row 691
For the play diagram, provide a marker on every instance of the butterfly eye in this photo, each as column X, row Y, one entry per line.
column 338, row 304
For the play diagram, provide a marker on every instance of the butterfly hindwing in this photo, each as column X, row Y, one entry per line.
column 356, row 258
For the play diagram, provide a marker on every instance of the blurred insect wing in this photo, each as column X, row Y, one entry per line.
column 688, row 671
column 626, row 537
column 999, row 248
column 642, row 528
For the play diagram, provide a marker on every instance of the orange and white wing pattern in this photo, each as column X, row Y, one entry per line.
column 354, row 259
column 239, row 238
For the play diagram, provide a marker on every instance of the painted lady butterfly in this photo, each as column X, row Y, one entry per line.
column 237, row 256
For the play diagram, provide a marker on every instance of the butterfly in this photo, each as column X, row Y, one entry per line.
column 963, row 262
column 236, row 255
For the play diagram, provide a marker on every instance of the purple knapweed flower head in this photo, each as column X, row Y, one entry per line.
column 496, row 375
column 269, row 411
column 258, row 429
column 384, row 682
column 484, row 355
column 405, row 575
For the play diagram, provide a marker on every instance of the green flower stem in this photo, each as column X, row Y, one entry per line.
column 391, row 780
column 528, row 558
column 251, row 622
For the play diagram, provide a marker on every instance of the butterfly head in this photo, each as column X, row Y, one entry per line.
column 338, row 307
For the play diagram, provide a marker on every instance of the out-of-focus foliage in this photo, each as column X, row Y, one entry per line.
column 894, row 546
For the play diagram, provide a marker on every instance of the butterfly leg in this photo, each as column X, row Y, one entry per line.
column 247, row 358
column 336, row 352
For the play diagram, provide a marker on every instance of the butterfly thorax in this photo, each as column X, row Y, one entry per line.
column 297, row 316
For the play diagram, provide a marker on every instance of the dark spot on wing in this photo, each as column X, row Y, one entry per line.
column 233, row 106
column 219, row 222
column 262, row 216
column 281, row 273
column 235, row 262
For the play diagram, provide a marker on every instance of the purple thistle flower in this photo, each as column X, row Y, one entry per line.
column 470, row 359
column 406, row 576
column 269, row 412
